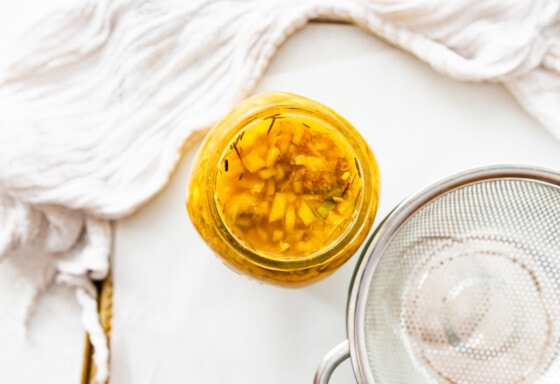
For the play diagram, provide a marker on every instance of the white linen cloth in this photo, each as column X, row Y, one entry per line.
column 98, row 101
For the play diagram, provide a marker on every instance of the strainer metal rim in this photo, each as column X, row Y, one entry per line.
column 385, row 231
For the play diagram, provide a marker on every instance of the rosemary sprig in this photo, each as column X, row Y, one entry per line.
column 271, row 125
column 236, row 150
column 357, row 167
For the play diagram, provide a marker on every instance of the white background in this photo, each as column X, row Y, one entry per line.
column 184, row 317
column 181, row 316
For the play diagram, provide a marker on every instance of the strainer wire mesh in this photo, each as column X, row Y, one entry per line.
column 467, row 290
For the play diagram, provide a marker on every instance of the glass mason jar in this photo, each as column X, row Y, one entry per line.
column 283, row 189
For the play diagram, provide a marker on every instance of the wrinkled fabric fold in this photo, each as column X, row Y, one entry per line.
column 99, row 100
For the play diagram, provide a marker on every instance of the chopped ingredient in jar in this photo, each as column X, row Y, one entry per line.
column 289, row 186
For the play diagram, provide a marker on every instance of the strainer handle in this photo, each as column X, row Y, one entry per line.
column 332, row 360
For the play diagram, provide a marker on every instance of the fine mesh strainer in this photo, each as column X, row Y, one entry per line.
column 461, row 285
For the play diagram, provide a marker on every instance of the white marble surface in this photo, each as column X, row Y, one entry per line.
column 181, row 316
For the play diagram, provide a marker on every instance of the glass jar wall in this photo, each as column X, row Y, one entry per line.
column 283, row 189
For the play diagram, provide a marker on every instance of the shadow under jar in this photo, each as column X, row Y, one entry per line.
column 284, row 189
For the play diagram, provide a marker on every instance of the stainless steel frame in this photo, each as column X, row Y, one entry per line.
column 355, row 347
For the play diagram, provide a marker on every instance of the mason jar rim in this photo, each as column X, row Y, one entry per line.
column 327, row 118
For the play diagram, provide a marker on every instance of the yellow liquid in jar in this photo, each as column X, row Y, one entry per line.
column 288, row 186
